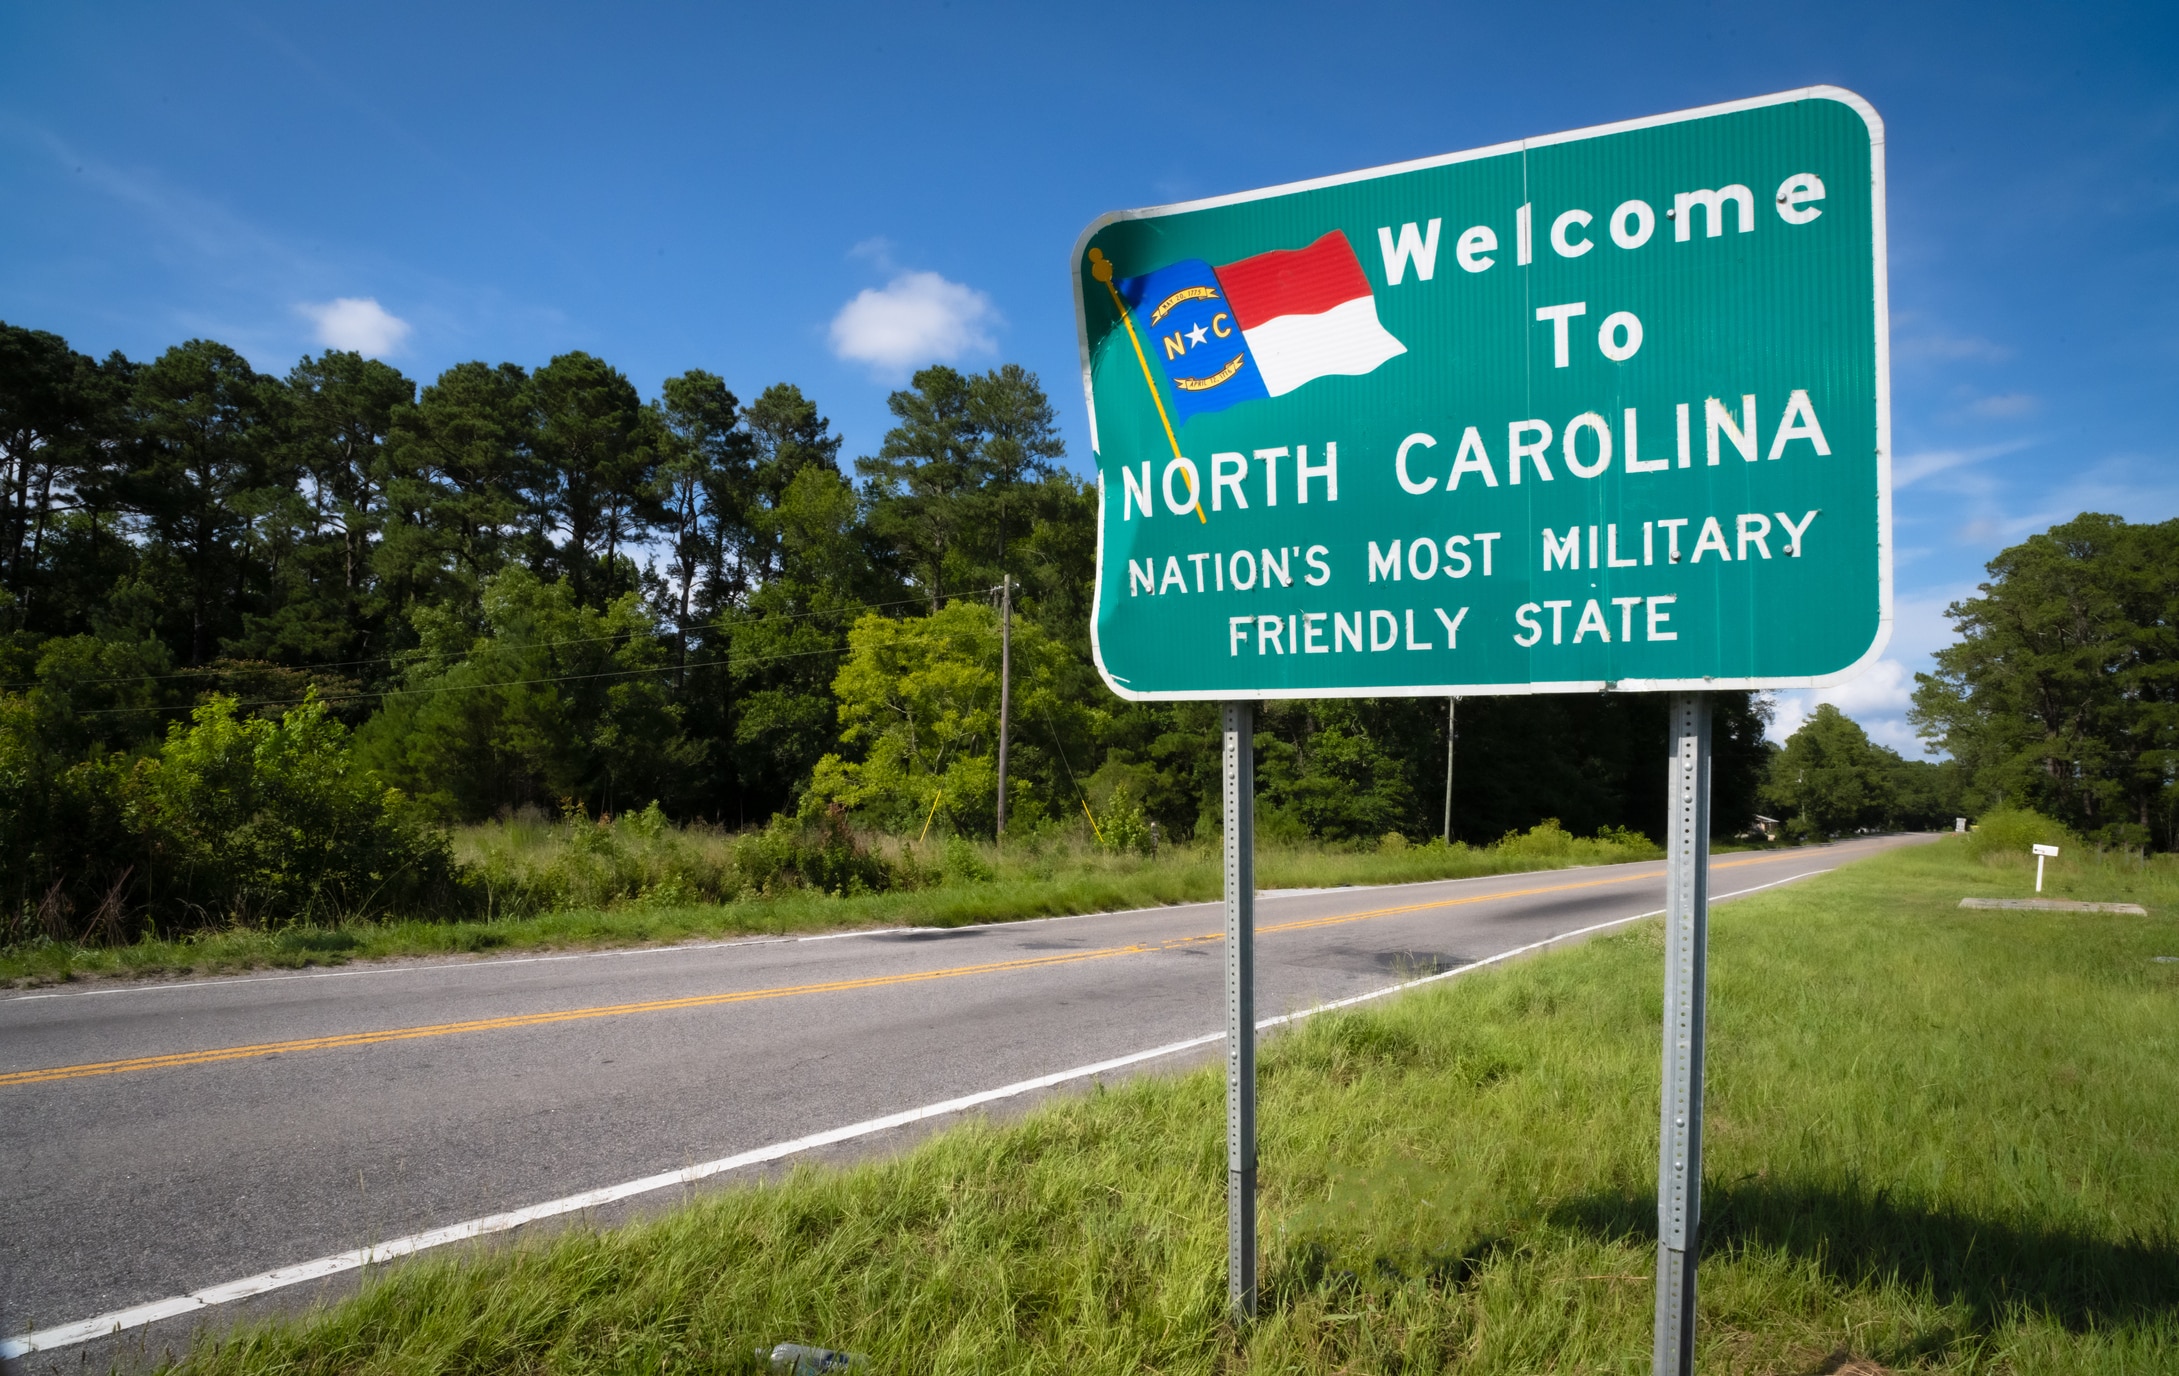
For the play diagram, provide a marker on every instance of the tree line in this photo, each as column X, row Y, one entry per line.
column 2062, row 693
column 514, row 588
column 2060, row 696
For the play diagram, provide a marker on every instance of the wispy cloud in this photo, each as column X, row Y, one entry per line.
column 1987, row 510
column 273, row 295
column 918, row 317
column 186, row 221
column 877, row 251
column 341, row 92
column 357, row 323
column 2137, row 487
column 1909, row 469
column 1939, row 347
column 2006, row 406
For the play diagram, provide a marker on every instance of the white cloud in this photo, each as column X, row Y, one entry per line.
column 357, row 323
column 1879, row 696
column 918, row 317
column 1884, row 689
column 1919, row 625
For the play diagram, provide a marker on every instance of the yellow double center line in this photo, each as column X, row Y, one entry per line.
column 338, row 1041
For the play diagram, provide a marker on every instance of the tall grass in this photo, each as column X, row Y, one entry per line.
column 1941, row 1140
column 641, row 879
column 530, row 865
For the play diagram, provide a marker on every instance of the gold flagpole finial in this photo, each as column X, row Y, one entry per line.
column 1101, row 269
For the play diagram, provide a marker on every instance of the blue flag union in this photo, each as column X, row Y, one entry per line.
column 1259, row 327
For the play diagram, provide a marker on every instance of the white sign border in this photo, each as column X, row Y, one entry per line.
column 1877, row 646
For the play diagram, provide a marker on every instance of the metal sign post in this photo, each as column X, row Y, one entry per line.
column 1687, row 943
column 1241, row 1008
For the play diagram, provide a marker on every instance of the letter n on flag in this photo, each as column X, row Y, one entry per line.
column 1259, row 327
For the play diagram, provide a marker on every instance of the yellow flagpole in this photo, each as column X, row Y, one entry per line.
column 1101, row 269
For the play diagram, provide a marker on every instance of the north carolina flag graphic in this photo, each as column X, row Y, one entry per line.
column 1260, row 327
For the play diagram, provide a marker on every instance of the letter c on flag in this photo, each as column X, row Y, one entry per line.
column 1187, row 503
column 1399, row 464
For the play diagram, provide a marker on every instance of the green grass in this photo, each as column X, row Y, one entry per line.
column 1943, row 1140
column 586, row 884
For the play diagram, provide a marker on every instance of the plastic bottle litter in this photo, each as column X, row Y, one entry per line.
column 799, row 1359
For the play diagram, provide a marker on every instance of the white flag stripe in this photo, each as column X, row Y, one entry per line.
column 1292, row 349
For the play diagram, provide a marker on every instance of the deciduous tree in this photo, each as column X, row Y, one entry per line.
column 1830, row 778
column 2062, row 693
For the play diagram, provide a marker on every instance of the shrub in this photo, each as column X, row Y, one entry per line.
column 67, row 860
column 267, row 823
column 1122, row 827
column 819, row 852
column 2012, row 830
column 1547, row 839
column 234, row 820
column 962, row 864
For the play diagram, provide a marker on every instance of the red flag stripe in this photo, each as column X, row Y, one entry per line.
column 1301, row 281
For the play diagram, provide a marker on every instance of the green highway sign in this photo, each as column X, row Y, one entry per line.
column 1605, row 409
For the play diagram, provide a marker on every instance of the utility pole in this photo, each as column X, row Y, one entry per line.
column 1006, row 687
column 1452, row 711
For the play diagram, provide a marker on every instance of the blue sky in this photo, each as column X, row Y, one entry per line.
column 832, row 194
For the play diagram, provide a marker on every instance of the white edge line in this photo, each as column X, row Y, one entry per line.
column 138, row 1316
column 1517, row 951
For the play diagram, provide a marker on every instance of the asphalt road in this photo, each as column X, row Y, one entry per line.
column 160, row 1138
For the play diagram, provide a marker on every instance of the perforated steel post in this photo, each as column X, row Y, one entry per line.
column 1240, row 724
column 1687, row 943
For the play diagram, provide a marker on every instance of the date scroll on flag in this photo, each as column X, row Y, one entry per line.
column 1259, row 327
